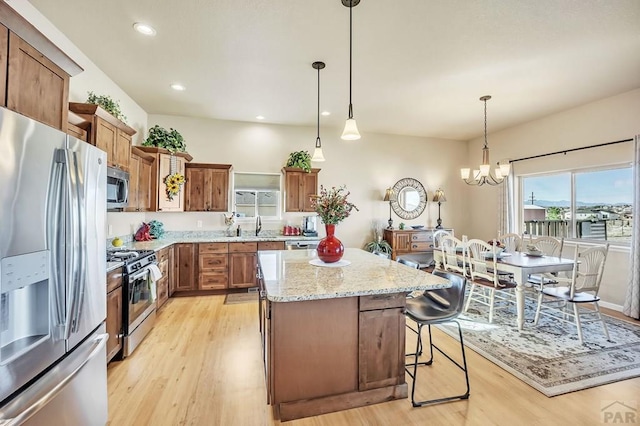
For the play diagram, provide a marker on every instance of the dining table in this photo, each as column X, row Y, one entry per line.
column 521, row 265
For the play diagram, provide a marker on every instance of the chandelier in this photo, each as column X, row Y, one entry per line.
column 483, row 174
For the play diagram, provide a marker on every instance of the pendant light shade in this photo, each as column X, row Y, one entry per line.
column 317, row 152
column 350, row 132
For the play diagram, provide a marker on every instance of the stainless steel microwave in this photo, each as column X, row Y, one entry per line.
column 117, row 188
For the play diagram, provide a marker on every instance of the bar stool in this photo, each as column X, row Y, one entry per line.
column 437, row 307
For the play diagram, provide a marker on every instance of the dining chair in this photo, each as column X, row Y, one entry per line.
column 511, row 242
column 437, row 250
column 437, row 307
column 488, row 287
column 454, row 255
column 549, row 246
column 581, row 288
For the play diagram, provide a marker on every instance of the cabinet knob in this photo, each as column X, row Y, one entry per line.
column 414, row 246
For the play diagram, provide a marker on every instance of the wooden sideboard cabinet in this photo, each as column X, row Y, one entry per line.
column 207, row 187
column 299, row 186
column 416, row 243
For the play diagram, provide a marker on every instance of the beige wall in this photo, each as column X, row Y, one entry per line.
column 92, row 78
column 606, row 120
column 367, row 167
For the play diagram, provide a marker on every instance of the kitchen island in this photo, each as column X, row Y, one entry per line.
column 334, row 337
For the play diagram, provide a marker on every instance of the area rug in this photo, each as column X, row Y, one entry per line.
column 549, row 356
column 236, row 298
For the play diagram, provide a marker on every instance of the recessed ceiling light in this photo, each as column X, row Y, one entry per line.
column 179, row 87
column 259, row 117
column 144, row 29
column 325, row 113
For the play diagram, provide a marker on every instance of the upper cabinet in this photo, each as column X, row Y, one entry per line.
column 141, row 168
column 207, row 187
column 107, row 133
column 34, row 73
column 300, row 186
column 165, row 165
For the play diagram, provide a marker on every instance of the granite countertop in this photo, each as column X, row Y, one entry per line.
column 289, row 277
column 113, row 265
column 209, row 238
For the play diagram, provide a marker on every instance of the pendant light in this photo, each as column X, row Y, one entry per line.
column 483, row 174
column 350, row 132
column 317, row 153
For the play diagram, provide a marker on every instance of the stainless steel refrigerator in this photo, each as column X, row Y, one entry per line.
column 52, row 276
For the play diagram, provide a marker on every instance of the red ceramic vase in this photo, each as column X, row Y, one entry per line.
column 330, row 249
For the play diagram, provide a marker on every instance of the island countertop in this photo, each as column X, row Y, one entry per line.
column 288, row 276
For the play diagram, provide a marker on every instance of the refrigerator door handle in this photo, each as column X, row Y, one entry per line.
column 73, row 207
column 54, row 239
column 82, row 253
column 28, row 412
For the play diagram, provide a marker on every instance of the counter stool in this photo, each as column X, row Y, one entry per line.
column 437, row 307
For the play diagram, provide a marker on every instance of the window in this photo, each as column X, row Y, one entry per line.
column 581, row 204
column 256, row 194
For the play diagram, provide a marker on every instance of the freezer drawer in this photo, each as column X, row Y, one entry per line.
column 73, row 393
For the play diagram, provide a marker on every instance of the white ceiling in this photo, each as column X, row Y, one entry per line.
column 419, row 66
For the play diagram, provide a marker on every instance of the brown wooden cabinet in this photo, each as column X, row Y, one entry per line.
column 107, row 133
column 186, row 264
column 243, row 264
column 270, row 245
column 299, row 188
column 214, row 266
column 140, row 174
column 355, row 345
column 114, row 312
column 207, row 187
column 34, row 72
column 417, row 243
column 172, row 270
column 381, row 339
column 161, row 169
column 162, row 285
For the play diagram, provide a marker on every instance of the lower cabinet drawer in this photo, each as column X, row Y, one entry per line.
column 162, row 289
column 421, row 246
column 213, row 281
column 213, row 261
column 383, row 301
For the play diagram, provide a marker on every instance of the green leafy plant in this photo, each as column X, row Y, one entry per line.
column 108, row 104
column 300, row 159
column 332, row 205
column 170, row 140
column 378, row 245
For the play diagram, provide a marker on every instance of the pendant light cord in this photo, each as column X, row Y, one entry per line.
column 350, row 57
column 485, row 123
column 318, row 138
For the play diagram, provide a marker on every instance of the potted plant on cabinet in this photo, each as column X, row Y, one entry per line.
column 171, row 139
column 300, row 159
column 108, row 104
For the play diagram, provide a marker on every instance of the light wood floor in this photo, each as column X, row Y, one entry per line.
column 201, row 365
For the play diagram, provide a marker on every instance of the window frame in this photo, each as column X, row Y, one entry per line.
column 278, row 197
column 572, row 172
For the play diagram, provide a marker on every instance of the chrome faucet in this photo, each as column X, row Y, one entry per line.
column 258, row 225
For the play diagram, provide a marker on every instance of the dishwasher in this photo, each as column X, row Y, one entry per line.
column 301, row 244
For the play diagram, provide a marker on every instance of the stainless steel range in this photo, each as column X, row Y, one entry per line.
column 138, row 294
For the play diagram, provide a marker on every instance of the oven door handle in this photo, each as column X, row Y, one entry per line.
column 142, row 274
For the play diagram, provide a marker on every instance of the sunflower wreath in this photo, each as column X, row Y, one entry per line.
column 174, row 183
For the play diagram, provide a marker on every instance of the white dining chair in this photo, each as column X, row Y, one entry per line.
column 488, row 287
column 563, row 302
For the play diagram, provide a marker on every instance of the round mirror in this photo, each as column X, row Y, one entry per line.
column 410, row 198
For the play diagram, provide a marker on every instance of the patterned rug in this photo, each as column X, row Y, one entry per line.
column 237, row 298
column 549, row 357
